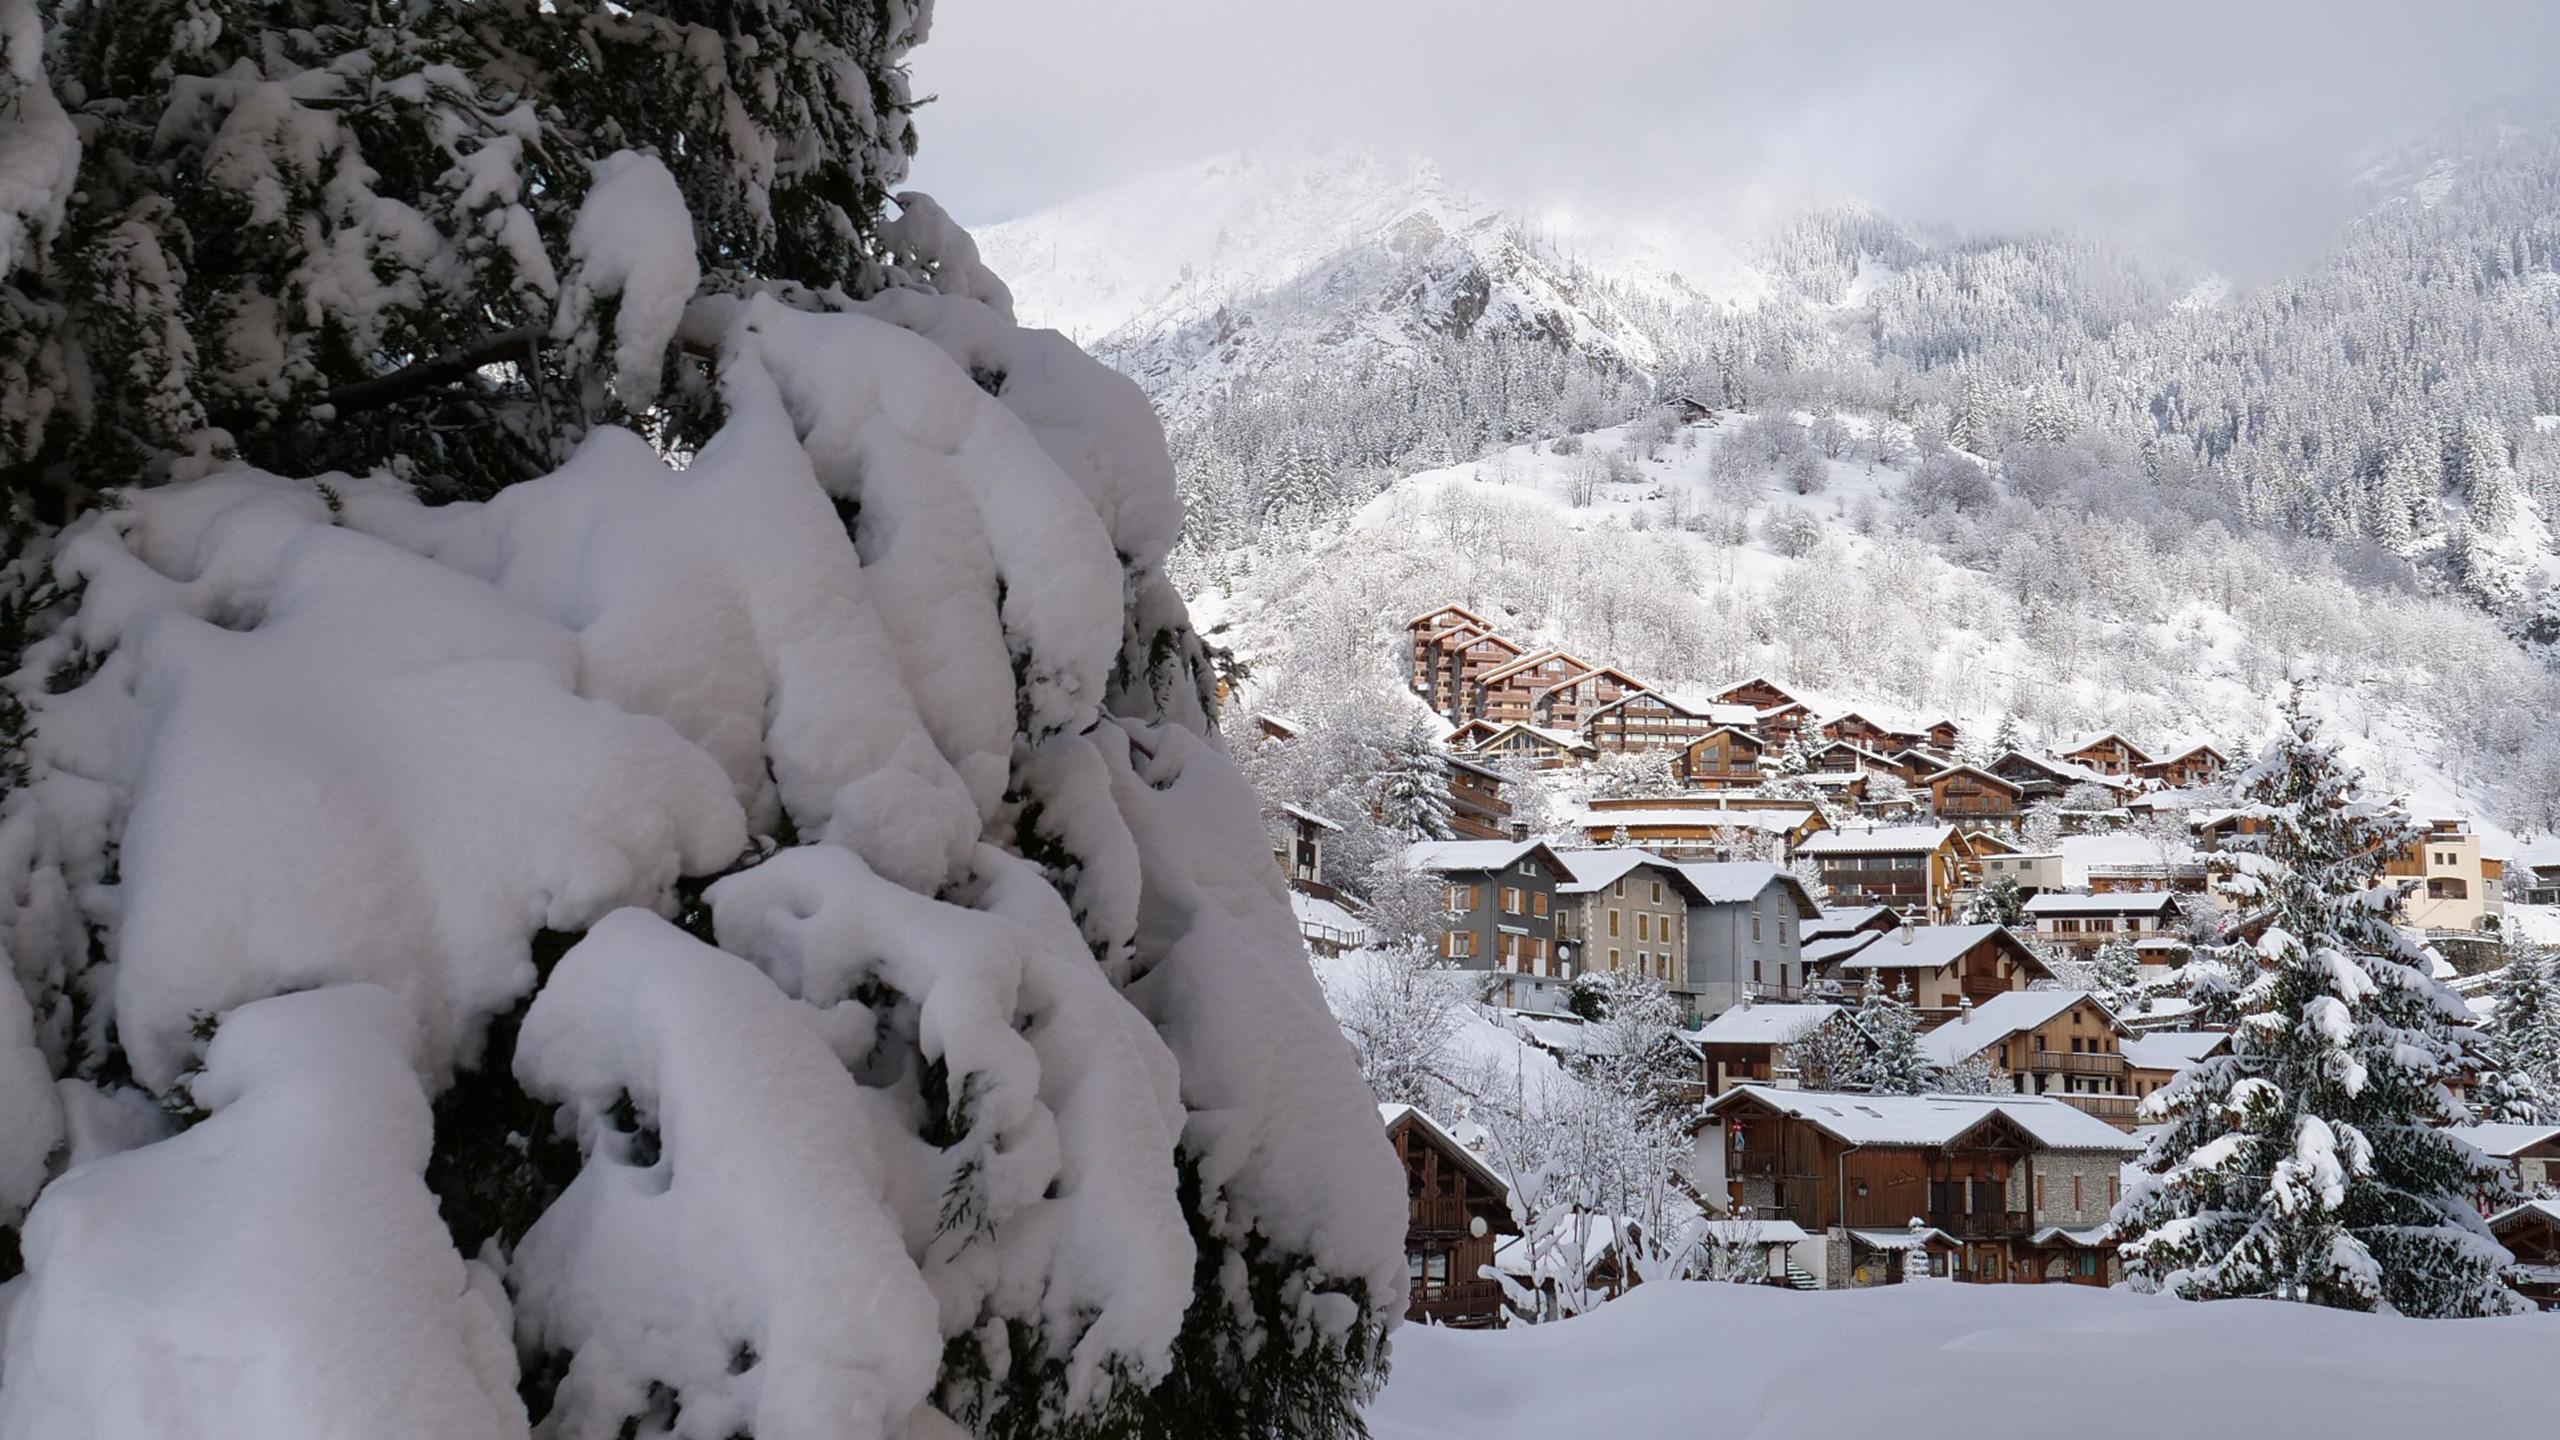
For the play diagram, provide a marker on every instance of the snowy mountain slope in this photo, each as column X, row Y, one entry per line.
column 1316, row 251
column 1667, row 565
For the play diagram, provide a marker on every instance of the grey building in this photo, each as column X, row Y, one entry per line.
column 1746, row 935
column 1502, row 909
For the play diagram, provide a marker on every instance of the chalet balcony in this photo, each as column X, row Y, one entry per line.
column 2114, row 1109
column 1984, row 1224
column 2066, row 1062
column 1459, row 1303
column 1444, row 1214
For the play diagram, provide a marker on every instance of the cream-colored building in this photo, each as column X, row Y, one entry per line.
column 2459, row 886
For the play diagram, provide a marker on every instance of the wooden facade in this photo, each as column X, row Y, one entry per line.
column 1966, row 795
column 1647, row 721
column 1477, row 810
column 2109, row 754
column 2197, row 765
column 1454, row 1209
column 1722, row 760
column 1508, row 693
column 2531, row 1233
column 1567, row 703
column 1945, row 965
column 2076, row 1056
column 1757, row 692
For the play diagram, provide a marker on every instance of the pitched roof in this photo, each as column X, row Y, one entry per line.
column 1996, row 1019
column 1441, row 856
column 1878, row 840
column 1597, row 868
column 1437, row 611
column 1310, row 817
column 1739, row 882
column 2503, row 1141
column 1842, row 922
column 1745, row 736
column 2541, row 1209
column 2070, row 772
column 1710, row 817
column 1976, row 772
column 1561, row 739
column 1763, row 1024
column 1930, row 947
column 2120, row 902
column 1933, row 1120
column 2172, row 1050
column 2082, row 742
column 1535, row 657
column 1829, row 949
column 1388, row 1115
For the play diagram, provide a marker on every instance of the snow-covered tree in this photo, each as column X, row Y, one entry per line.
column 1829, row 1055
column 1413, row 784
column 1897, row 1066
column 766, row 945
column 2116, row 976
column 2000, row 902
column 2522, row 1083
column 1399, row 1005
column 2306, row 1165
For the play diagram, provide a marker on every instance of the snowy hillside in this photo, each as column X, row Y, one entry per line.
column 1683, row 555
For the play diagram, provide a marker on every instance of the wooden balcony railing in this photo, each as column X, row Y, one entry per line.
column 1459, row 1302
column 2105, row 1107
column 2064, row 1062
column 1983, row 1224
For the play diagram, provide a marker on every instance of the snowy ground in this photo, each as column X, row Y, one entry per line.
column 1917, row 1362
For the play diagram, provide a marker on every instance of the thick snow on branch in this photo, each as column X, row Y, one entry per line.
column 39, row 150
column 277, row 1271
column 632, row 243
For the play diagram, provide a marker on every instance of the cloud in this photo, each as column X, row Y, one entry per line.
column 2230, row 129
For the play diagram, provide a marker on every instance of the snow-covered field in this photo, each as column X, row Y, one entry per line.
column 1918, row 1362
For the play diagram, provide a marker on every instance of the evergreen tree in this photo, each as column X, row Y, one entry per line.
column 2116, row 976
column 1999, row 903
column 1892, row 1025
column 2522, row 1084
column 2007, row 737
column 1413, row 784
column 338, row 233
column 2306, row 1165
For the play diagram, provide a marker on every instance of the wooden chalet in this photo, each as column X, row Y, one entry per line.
column 1758, row 692
column 1724, row 759
column 1567, row 703
column 1945, row 966
column 1508, row 692
column 1782, row 724
column 1520, row 742
column 1871, row 734
column 1451, row 648
column 1749, row 1044
column 2108, row 753
column 1916, row 869
column 1477, row 810
column 2089, row 921
column 2195, row 765
column 2155, row 1058
column 2531, row 1233
column 1454, row 1207
column 1648, row 721
column 2040, row 777
column 2061, row 1043
column 1297, row 842
column 1708, row 826
column 1847, row 757
column 2022, row 1184
column 2530, row 1154
column 1971, row 796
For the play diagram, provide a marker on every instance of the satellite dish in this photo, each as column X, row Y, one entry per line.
column 1475, row 1226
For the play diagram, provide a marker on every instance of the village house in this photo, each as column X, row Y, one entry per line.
column 1297, row 842
column 2040, row 777
column 2537, row 862
column 1748, row 1044
column 2531, row 1233
column 1518, row 743
column 2157, row 1057
column 1648, row 721
column 1452, row 648
column 1701, row 827
column 2030, row 871
column 2459, row 889
column 1624, row 910
column 1837, row 933
column 1725, row 758
column 1916, row 869
column 1477, row 810
column 1501, row 902
column 1857, row 729
column 2195, row 765
column 2530, row 1154
column 1966, row 795
column 1759, row 692
column 1846, row 757
column 1566, row 704
column 1943, row 965
column 1454, row 1207
column 1509, row 692
column 2106, row 752
column 2088, row 921
column 1745, row 935
column 1784, row 724
column 2022, row 1184
column 2061, row 1043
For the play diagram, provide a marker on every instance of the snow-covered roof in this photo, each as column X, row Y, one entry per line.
column 1326, row 917
column 1444, row 855
column 1561, row 739
column 1842, row 922
column 1878, row 840
column 1905, row 1238
column 1924, row 947
column 1598, row 868
column 2545, row 1209
column 1933, row 1119
column 1739, row 882
column 2117, row 850
column 2121, row 902
column 1828, row 949
column 2070, row 772
column 1779, row 821
column 1976, row 771
column 1995, row 1020
column 1762, row 1024
column 1753, row 1232
column 2541, row 852
column 1310, row 817
column 2086, row 1237
column 1535, row 657
column 1389, row 1114
column 2502, row 1141
column 2078, row 743
column 2172, row 1050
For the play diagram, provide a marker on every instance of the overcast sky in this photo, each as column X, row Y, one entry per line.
column 2225, row 128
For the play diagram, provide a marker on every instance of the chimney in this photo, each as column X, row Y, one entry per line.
column 1964, row 1010
column 1906, row 932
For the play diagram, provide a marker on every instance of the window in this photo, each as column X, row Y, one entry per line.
column 1613, row 959
column 1511, row 900
column 1621, row 889
column 1613, row 924
column 2039, row 1193
column 2076, row 1201
column 1755, row 927
column 1657, row 892
column 2115, row 1189
column 1644, row 927
column 1462, row 897
column 1538, row 903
